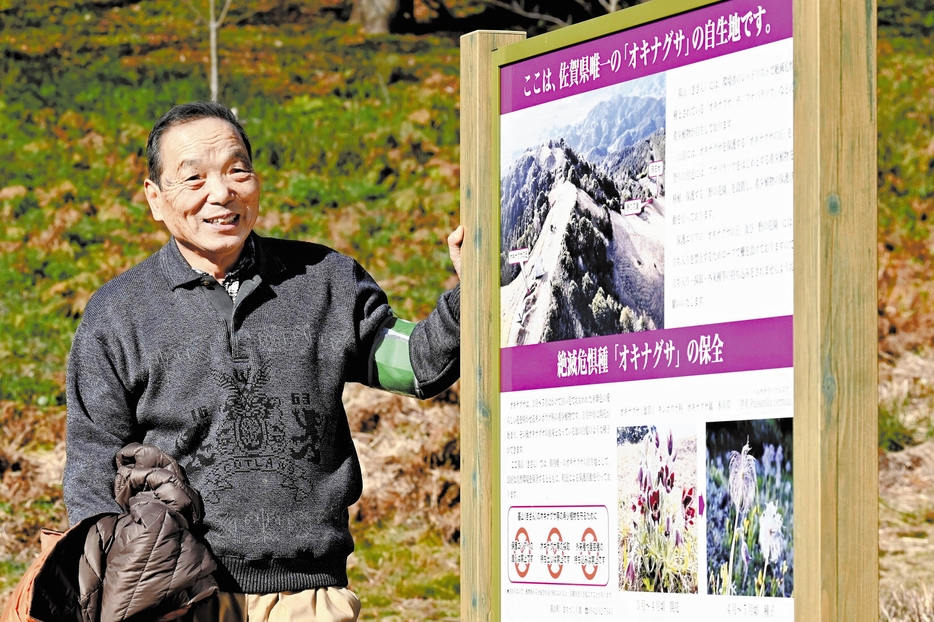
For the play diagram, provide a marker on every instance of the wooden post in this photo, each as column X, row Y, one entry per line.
column 478, row 353
column 835, row 353
column 835, row 424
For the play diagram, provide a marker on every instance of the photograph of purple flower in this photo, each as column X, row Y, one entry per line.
column 750, row 550
column 658, row 509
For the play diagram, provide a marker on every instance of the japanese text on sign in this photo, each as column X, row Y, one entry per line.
column 704, row 350
column 650, row 50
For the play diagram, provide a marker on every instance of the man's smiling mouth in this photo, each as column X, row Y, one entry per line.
column 222, row 220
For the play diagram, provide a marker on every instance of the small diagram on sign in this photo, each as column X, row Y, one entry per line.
column 556, row 553
column 750, row 522
column 558, row 545
column 521, row 554
column 589, row 554
column 659, row 509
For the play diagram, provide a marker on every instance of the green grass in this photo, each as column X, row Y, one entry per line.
column 10, row 572
column 355, row 140
column 906, row 124
column 894, row 433
column 407, row 572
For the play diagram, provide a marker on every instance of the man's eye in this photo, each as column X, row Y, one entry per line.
column 194, row 178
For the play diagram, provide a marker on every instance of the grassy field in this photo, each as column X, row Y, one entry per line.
column 906, row 321
column 356, row 141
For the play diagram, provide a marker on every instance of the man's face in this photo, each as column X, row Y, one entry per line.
column 208, row 196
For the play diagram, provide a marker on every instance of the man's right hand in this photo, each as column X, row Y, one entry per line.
column 455, row 241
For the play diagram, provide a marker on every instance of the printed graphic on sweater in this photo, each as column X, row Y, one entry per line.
column 254, row 435
column 312, row 425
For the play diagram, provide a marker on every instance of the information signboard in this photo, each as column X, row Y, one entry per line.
column 645, row 321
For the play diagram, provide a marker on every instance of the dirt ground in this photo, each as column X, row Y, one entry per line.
column 906, row 478
column 906, row 518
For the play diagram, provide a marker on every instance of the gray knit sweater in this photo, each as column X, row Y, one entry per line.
column 246, row 397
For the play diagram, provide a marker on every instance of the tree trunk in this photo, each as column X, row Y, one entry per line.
column 373, row 15
column 212, row 29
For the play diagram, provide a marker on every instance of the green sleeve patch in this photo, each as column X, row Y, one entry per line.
column 390, row 365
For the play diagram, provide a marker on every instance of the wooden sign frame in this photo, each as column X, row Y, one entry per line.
column 835, row 374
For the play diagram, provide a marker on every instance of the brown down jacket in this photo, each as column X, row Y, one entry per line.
column 143, row 564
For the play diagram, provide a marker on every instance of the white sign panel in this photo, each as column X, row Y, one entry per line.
column 646, row 416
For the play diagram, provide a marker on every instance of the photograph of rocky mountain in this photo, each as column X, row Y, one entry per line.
column 583, row 215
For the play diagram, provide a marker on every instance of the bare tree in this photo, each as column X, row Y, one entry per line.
column 555, row 11
column 518, row 7
column 213, row 22
column 382, row 16
column 374, row 15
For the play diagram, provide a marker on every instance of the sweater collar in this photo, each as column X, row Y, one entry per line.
column 178, row 272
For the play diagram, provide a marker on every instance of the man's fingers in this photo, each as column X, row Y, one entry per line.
column 455, row 241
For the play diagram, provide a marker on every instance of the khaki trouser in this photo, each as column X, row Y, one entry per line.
column 326, row 604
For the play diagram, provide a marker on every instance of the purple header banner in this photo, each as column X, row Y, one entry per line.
column 676, row 41
column 668, row 353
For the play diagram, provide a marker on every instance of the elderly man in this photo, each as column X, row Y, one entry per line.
column 230, row 351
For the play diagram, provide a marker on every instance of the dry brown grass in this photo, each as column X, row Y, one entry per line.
column 907, row 605
column 906, row 491
column 407, row 523
column 906, row 296
column 32, row 456
column 409, row 453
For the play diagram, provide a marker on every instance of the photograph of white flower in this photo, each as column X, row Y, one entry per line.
column 750, row 550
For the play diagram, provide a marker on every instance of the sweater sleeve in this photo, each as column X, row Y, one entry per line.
column 423, row 359
column 435, row 346
column 100, row 418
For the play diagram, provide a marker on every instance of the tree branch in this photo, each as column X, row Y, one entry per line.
column 191, row 5
column 519, row 9
column 440, row 8
column 610, row 6
column 220, row 20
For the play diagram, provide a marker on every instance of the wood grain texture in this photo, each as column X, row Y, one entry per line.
column 835, row 426
column 479, row 346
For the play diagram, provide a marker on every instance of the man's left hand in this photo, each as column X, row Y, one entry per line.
column 455, row 241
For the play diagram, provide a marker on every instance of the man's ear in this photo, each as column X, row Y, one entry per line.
column 154, row 198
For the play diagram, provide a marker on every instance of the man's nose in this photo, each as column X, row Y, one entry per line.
column 218, row 188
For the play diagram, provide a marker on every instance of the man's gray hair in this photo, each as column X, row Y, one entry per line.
column 183, row 113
